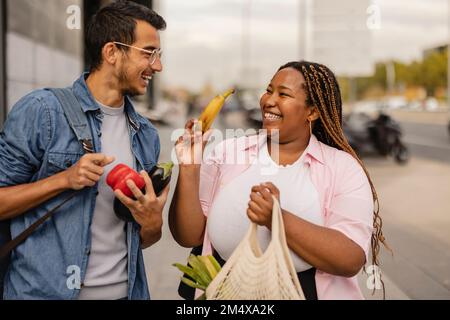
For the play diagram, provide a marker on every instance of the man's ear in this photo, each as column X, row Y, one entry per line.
column 313, row 114
column 110, row 53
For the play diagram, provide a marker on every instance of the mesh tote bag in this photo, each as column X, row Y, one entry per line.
column 250, row 274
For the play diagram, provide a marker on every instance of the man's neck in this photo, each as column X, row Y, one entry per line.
column 104, row 89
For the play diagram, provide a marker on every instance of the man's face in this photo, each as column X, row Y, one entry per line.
column 134, row 70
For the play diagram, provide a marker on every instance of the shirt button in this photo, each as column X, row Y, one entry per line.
column 68, row 163
column 99, row 134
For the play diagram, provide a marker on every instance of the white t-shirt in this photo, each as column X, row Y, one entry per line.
column 106, row 275
column 228, row 221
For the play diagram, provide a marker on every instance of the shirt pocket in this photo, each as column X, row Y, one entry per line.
column 60, row 161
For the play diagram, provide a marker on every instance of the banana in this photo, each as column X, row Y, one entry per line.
column 209, row 266
column 191, row 273
column 199, row 268
column 192, row 284
column 212, row 109
column 214, row 263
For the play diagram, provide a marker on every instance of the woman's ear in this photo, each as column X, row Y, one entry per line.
column 313, row 114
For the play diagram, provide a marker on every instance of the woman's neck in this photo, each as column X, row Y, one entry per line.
column 288, row 152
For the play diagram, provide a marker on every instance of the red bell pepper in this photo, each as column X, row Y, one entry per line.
column 118, row 177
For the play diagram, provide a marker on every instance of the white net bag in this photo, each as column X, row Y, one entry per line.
column 250, row 274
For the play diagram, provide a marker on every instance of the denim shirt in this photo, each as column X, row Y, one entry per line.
column 37, row 142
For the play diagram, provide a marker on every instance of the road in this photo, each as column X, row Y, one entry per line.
column 426, row 133
column 431, row 141
column 414, row 204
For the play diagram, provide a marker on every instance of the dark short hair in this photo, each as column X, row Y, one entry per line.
column 117, row 22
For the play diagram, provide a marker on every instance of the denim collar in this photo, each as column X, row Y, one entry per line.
column 88, row 102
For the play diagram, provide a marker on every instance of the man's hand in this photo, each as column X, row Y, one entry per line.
column 87, row 171
column 260, row 205
column 146, row 209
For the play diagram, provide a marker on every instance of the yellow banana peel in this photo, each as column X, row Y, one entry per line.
column 201, row 270
column 212, row 109
column 214, row 263
column 209, row 266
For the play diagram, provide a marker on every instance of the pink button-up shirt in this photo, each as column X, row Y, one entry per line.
column 344, row 193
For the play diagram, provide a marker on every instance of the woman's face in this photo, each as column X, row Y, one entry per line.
column 283, row 106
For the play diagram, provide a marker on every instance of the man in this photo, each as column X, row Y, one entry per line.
column 41, row 161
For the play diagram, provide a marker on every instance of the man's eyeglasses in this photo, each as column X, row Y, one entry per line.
column 154, row 54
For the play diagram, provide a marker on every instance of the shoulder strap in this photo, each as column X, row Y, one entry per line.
column 75, row 116
column 78, row 122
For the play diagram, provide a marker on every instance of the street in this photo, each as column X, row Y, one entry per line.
column 414, row 205
column 431, row 141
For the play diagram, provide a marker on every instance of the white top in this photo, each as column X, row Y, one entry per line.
column 106, row 274
column 228, row 221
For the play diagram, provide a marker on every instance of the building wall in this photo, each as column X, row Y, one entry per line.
column 41, row 51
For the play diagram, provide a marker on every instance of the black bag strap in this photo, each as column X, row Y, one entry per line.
column 75, row 116
column 78, row 122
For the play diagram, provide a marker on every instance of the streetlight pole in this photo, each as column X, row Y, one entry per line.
column 246, row 45
column 390, row 77
column 305, row 12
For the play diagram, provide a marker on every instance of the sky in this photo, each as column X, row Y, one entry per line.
column 205, row 39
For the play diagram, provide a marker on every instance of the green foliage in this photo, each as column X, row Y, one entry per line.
column 200, row 269
column 429, row 73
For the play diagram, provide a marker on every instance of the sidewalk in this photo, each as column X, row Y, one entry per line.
column 393, row 292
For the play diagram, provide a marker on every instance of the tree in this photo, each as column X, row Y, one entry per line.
column 434, row 71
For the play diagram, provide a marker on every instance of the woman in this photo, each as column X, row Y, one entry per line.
column 326, row 194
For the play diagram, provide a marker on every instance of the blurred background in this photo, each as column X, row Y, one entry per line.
column 391, row 59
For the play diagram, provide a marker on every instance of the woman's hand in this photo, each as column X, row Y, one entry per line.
column 260, row 205
column 189, row 147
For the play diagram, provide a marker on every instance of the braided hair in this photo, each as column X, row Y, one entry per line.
column 322, row 91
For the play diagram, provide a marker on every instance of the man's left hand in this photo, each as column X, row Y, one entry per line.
column 146, row 209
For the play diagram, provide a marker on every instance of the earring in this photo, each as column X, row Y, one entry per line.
column 310, row 127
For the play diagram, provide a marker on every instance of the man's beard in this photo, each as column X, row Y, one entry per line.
column 124, row 84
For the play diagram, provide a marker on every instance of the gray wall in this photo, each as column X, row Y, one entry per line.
column 40, row 50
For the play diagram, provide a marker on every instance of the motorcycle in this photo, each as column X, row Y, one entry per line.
column 381, row 135
column 448, row 128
